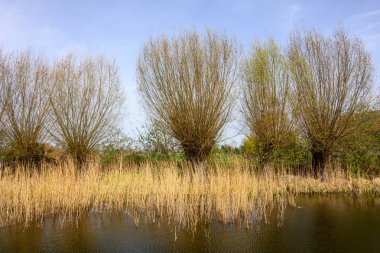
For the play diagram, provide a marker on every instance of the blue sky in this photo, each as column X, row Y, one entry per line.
column 119, row 29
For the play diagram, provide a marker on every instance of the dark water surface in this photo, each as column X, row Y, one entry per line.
column 318, row 224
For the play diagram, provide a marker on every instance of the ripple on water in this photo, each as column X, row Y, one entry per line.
column 322, row 224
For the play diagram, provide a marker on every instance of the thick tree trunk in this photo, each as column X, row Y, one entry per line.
column 266, row 152
column 197, row 157
column 318, row 161
column 80, row 160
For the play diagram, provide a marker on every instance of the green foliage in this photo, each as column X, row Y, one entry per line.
column 33, row 153
column 362, row 153
column 151, row 146
column 249, row 147
column 116, row 148
column 110, row 154
column 290, row 154
column 153, row 140
column 225, row 150
column 139, row 157
column 6, row 156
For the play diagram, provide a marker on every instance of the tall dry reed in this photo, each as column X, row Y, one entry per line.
column 230, row 195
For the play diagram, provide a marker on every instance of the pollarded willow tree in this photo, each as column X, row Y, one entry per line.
column 86, row 101
column 24, row 77
column 332, row 83
column 186, row 84
column 265, row 88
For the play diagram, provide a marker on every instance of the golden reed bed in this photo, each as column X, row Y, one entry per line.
column 230, row 195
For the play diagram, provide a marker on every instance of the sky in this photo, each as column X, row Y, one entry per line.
column 119, row 29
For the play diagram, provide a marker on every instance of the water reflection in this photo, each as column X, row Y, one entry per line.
column 317, row 224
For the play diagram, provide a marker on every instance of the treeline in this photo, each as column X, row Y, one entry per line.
column 315, row 94
column 312, row 99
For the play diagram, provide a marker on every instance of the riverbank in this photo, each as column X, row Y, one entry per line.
column 231, row 195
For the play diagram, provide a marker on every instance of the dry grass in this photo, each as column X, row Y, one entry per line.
column 231, row 195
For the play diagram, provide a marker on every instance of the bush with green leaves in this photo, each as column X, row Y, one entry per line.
column 117, row 147
column 291, row 154
column 153, row 140
column 362, row 153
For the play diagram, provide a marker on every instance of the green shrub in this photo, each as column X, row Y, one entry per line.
column 290, row 154
column 361, row 154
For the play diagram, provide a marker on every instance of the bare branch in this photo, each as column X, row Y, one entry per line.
column 24, row 76
column 86, row 101
column 265, row 97
column 186, row 84
column 332, row 84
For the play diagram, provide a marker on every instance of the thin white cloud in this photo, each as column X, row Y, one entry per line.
column 367, row 14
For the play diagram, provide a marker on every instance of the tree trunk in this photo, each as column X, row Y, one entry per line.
column 80, row 160
column 318, row 161
column 197, row 157
column 266, row 152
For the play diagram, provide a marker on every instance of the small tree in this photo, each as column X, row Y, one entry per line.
column 186, row 84
column 265, row 102
column 332, row 84
column 23, row 78
column 156, row 141
column 116, row 147
column 86, row 101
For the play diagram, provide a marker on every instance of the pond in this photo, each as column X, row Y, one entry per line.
column 316, row 224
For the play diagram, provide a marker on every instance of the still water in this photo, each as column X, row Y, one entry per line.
column 316, row 224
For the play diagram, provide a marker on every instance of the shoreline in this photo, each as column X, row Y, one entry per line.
column 232, row 194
